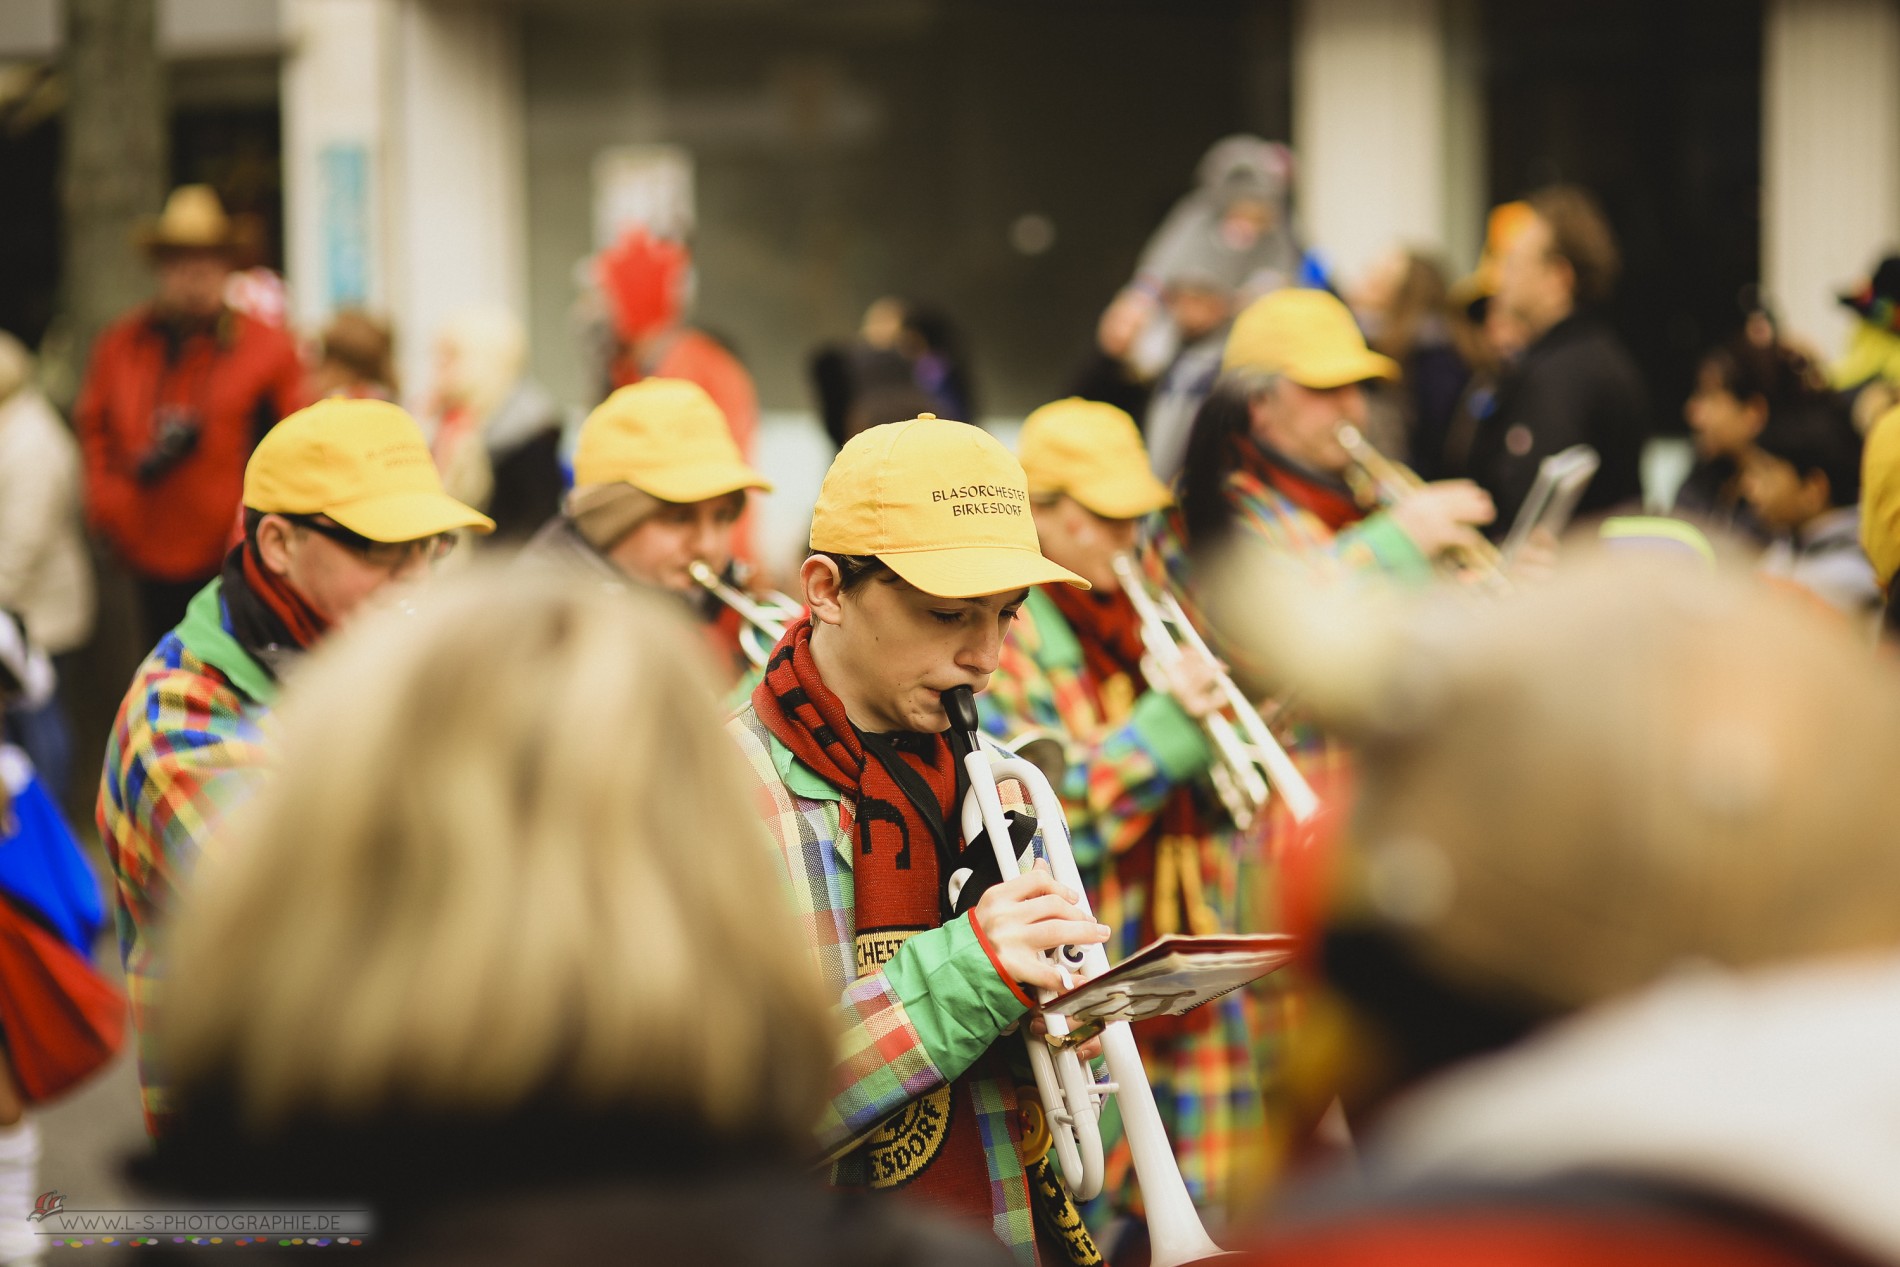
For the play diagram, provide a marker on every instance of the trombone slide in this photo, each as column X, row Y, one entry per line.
column 1249, row 763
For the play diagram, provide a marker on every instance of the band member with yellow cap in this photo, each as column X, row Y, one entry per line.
column 1156, row 849
column 923, row 550
column 1265, row 465
column 659, row 485
column 341, row 501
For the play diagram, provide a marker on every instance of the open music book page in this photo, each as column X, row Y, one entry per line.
column 1172, row 975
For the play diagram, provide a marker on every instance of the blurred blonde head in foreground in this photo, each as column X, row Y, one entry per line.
column 506, row 869
column 1567, row 795
column 1612, row 944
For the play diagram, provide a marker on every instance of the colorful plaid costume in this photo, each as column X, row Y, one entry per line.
column 914, row 1024
column 1375, row 544
column 184, row 749
column 1124, row 759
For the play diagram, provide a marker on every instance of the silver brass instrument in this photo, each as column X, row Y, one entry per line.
column 1477, row 560
column 1071, row 1098
column 765, row 618
column 1249, row 763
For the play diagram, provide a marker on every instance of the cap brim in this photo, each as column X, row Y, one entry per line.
column 684, row 484
column 408, row 516
column 973, row 571
column 1354, row 368
column 1127, row 496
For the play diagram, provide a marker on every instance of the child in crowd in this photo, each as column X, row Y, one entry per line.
column 1802, row 480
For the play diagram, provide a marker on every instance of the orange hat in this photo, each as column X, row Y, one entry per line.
column 1506, row 222
column 941, row 503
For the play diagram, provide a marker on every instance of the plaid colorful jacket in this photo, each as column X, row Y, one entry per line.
column 1123, row 763
column 185, row 748
column 906, row 1028
column 1374, row 546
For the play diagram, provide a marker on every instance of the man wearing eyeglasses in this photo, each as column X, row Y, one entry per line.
column 341, row 503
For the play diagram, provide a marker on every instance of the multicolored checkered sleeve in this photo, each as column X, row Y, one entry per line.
column 1117, row 777
column 182, row 753
column 914, row 1022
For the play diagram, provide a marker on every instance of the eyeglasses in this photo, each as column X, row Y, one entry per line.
column 387, row 555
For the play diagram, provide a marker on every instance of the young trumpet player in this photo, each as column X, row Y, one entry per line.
column 1153, row 843
column 659, row 485
column 923, row 552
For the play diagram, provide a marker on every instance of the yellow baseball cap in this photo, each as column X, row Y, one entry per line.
column 1306, row 335
column 1093, row 452
column 667, row 438
column 363, row 464
column 942, row 503
column 1880, row 496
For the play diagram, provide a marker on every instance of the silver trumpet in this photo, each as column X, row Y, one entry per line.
column 1071, row 1098
column 765, row 618
column 1249, row 763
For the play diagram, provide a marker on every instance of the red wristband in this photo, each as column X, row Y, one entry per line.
column 1014, row 988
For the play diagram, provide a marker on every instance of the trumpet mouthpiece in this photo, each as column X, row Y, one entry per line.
column 960, row 703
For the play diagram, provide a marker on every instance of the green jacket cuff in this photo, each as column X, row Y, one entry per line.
column 1178, row 742
column 951, row 992
column 1392, row 548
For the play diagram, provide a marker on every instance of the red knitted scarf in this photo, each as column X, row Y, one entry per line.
column 1330, row 500
column 933, row 1147
column 302, row 621
column 1107, row 628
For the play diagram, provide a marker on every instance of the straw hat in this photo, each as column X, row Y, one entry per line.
column 193, row 220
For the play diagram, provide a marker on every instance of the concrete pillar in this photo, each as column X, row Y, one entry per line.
column 335, row 187
column 1830, row 155
column 1370, row 110
column 405, row 165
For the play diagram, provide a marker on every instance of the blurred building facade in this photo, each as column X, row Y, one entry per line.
column 1006, row 161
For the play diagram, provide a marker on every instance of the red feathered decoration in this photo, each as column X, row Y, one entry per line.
column 644, row 279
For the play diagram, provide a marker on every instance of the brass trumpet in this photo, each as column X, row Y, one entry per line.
column 765, row 618
column 1249, row 763
column 1477, row 559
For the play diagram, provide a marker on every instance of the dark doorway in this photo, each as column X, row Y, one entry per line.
column 1655, row 106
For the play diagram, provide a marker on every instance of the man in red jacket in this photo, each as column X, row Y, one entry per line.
column 176, row 396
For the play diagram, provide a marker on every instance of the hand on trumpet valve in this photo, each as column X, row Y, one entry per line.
column 1443, row 516
column 1194, row 680
column 1025, row 918
column 1088, row 1049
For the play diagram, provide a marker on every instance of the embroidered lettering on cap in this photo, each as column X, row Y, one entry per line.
column 965, row 492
